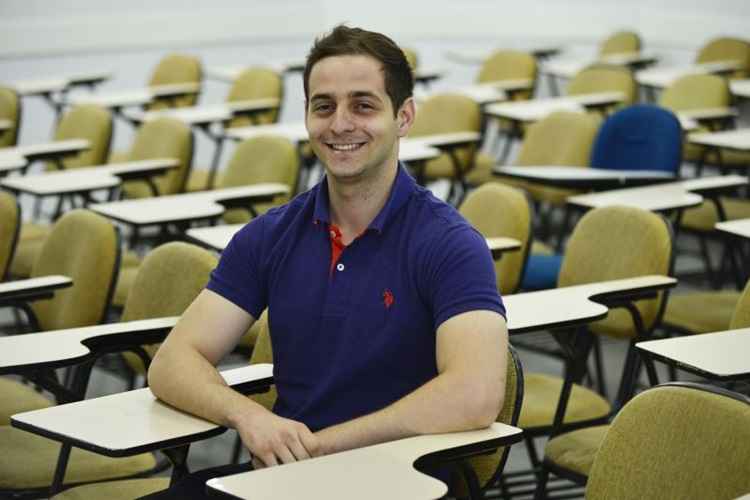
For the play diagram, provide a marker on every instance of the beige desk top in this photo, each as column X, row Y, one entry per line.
column 583, row 177
column 136, row 97
column 11, row 160
column 475, row 57
column 721, row 354
column 738, row 139
column 371, row 473
column 183, row 207
column 740, row 88
column 412, row 151
column 48, row 149
column 65, row 347
column 200, row 115
column 87, row 179
column 88, row 77
column 446, row 140
column 294, row 131
column 536, row 109
column 661, row 77
column 737, row 227
column 481, row 94
column 709, row 113
column 569, row 68
column 97, row 424
column 32, row 286
column 39, row 86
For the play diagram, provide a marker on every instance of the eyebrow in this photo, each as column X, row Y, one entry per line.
column 353, row 94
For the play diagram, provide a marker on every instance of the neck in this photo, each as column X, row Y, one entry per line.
column 354, row 205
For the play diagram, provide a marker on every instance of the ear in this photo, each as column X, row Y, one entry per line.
column 405, row 116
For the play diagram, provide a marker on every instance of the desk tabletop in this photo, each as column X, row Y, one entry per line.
column 583, row 177
column 39, row 86
column 481, row 93
column 570, row 67
column 740, row 88
column 49, row 149
column 720, row 355
column 738, row 139
column 660, row 77
column 536, row 109
column 737, row 227
column 415, row 151
column 475, row 57
column 201, row 115
column 184, row 207
column 97, row 424
column 65, row 347
column 374, row 472
column 294, row 131
column 446, row 140
column 11, row 160
column 88, row 77
column 32, row 286
column 662, row 197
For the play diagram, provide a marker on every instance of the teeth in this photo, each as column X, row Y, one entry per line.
column 344, row 147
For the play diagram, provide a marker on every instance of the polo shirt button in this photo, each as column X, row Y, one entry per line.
column 340, row 266
column 333, row 234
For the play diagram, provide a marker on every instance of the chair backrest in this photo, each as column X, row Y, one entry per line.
column 263, row 353
column 641, row 137
column 727, row 49
column 10, row 225
column 163, row 138
column 90, row 122
column 741, row 316
column 602, row 78
column 695, row 92
column 560, row 138
column 497, row 210
column 616, row 242
column 170, row 277
column 261, row 159
column 256, row 83
column 411, row 57
column 10, row 109
column 489, row 467
column 445, row 113
column 620, row 42
column 176, row 68
column 85, row 247
column 675, row 441
column 509, row 65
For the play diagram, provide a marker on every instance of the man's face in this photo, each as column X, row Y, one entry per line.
column 350, row 118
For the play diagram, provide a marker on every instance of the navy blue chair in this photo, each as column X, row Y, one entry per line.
column 640, row 137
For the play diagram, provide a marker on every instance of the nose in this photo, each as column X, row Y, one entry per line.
column 342, row 121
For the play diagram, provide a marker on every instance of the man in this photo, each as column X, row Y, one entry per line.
column 383, row 310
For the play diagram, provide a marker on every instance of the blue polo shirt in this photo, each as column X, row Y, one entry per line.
column 352, row 340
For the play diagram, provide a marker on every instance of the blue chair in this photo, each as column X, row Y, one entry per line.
column 640, row 137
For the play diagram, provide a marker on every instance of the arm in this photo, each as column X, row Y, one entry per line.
column 467, row 394
column 183, row 374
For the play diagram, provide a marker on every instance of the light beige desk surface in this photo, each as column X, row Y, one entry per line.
column 475, row 57
column 88, row 77
column 56, row 148
column 294, row 131
column 135, row 97
column 129, row 419
column 445, row 140
column 60, row 345
column 182, row 207
column 32, row 284
column 661, row 77
column 709, row 113
column 724, row 354
column 39, row 86
column 565, row 173
column 737, row 227
column 383, row 471
column 738, row 139
column 481, row 94
column 411, row 151
column 569, row 68
column 85, row 179
column 11, row 160
column 536, row 109
column 229, row 73
column 740, row 88
column 198, row 115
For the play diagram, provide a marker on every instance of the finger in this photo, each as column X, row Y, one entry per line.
column 298, row 450
column 311, row 443
column 258, row 464
column 269, row 460
column 286, row 456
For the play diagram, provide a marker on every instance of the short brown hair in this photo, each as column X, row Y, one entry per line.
column 344, row 41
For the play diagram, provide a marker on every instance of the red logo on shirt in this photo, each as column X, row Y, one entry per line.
column 387, row 298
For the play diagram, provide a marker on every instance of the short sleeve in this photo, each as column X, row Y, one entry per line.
column 238, row 277
column 461, row 275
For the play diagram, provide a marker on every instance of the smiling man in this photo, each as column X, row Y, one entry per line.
column 384, row 315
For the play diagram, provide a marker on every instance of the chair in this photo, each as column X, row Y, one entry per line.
column 727, row 49
column 602, row 78
column 89, row 122
column 253, row 83
column 676, row 441
column 10, row 217
column 161, row 138
column 620, row 42
column 10, row 109
column 411, row 57
column 636, row 137
column 445, row 113
column 497, row 210
column 85, row 247
column 608, row 243
column 509, row 65
column 175, row 68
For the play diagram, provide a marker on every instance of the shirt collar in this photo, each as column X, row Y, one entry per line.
column 403, row 186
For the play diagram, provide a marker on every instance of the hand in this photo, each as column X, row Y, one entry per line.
column 273, row 440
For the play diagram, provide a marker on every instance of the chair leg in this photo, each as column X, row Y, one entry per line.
column 710, row 273
column 540, row 493
column 599, row 367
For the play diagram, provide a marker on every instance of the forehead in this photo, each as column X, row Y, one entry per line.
column 345, row 74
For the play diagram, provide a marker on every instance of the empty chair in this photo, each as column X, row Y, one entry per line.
column 676, row 441
column 727, row 49
column 600, row 78
column 176, row 68
column 509, row 65
column 10, row 224
column 620, row 42
column 10, row 109
column 411, row 57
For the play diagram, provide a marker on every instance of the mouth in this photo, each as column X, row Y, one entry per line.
column 345, row 147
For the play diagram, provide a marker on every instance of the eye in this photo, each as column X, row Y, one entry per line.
column 322, row 108
column 364, row 106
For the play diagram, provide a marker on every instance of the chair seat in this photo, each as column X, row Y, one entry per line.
column 701, row 312
column 482, row 171
column 550, row 194
column 28, row 461
column 115, row 490
column 25, row 256
column 125, row 282
column 541, row 272
column 704, row 217
column 16, row 397
column 575, row 450
column 540, row 396
column 198, row 180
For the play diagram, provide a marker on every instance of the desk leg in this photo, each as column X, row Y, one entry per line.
column 214, row 168
column 653, row 377
column 62, row 464
column 178, row 457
